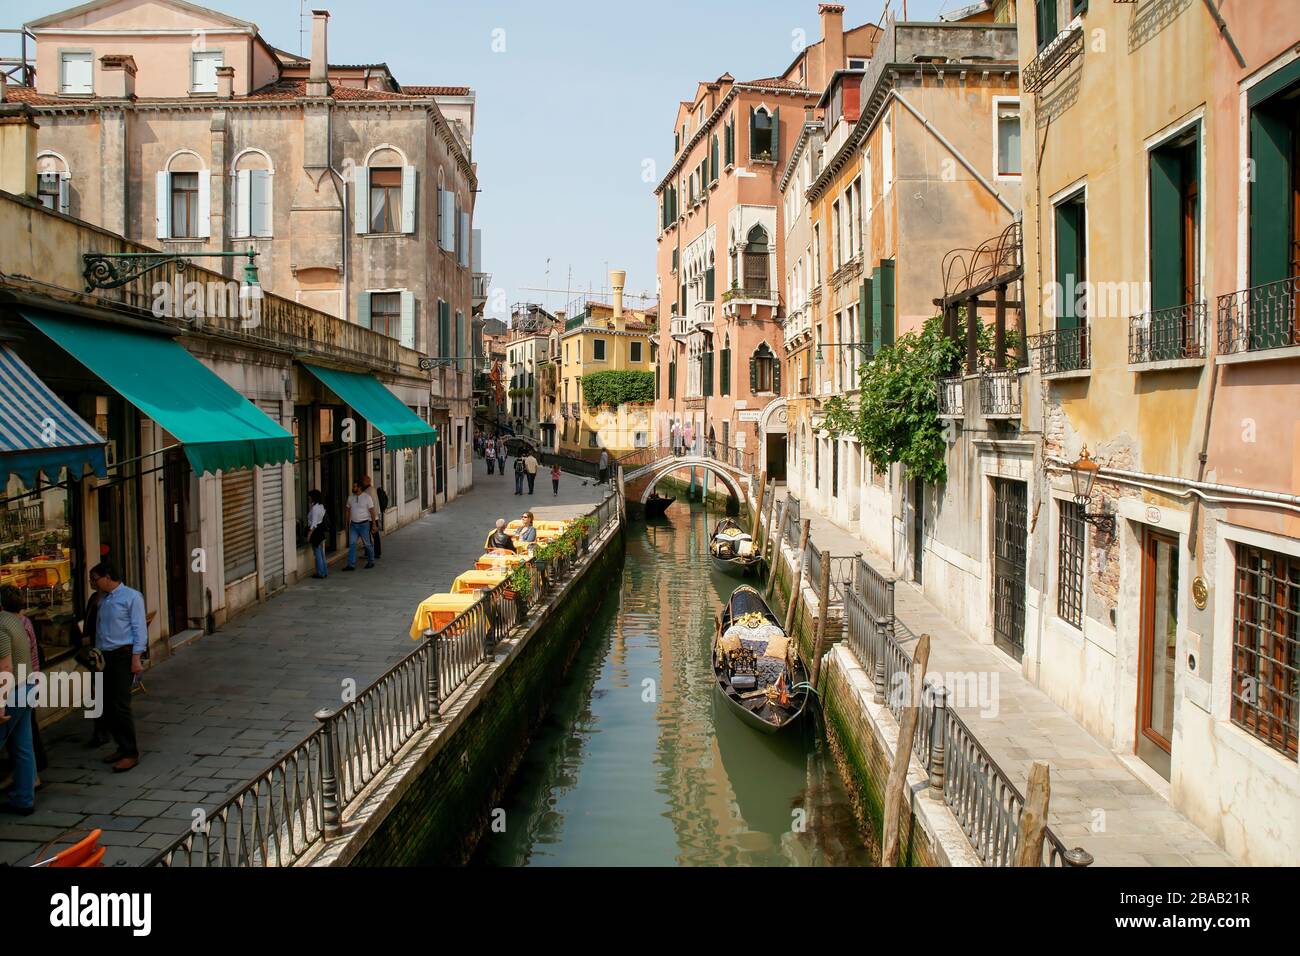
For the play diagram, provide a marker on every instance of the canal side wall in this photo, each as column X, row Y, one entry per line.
column 864, row 736
column 440, row 796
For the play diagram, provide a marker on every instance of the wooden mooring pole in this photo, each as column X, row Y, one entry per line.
column 776, row 552
column 756, row 526
column 797, row 587
column 1033, row 818
column 896, row 786
column 767, row 536
column 823, row 612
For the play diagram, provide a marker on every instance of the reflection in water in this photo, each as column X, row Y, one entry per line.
column 638, row 763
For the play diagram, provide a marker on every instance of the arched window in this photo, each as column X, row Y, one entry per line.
column 52, row 177
column 252, row 174
column 183, row 198
column 385, row 193
column 762, row 134
column 764, row 371
column 756, row 261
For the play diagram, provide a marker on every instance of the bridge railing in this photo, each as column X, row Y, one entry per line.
column 299, row 800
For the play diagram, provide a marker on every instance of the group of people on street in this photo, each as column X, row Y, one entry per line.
column 683, row 438
column 494, row 450
column 365, row 509
column 115, row 640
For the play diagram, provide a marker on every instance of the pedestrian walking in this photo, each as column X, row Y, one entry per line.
column 380, row 498
column 501, row 455
column 604, row 466
column 520, row 469
column 555, row 480
column 530, row 470
column 121, row 637
column 11, row 600
column 490, row 453
column 318, row 532
column 675, row 434
column 688, row 438
column 361, row 518
column 16, row 714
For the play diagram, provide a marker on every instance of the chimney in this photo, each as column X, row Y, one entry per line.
column 17, row 149
column 117, row 72
column 832, row 17
column 225, row 82
column 616, row 279
column 318, row 77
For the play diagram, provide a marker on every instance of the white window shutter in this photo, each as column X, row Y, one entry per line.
column 464, row 239
column 205, row 203
column 243, row 190
column 363, row 309
column 446, row 220
column 408, row 199
column 63, row 193
column 361, row 199
column 408, row 317
column 163, row 205
column 260, row 202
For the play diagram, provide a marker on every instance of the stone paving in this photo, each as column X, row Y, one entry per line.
column 222, row 708
column 1141, row 828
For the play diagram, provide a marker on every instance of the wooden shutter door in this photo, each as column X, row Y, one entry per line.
column 272, row 513
column 1166, row 254
column 1067, row 265
column 886, row 302
column 238, row 525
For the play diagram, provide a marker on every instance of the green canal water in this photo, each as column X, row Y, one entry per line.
column 638, row 763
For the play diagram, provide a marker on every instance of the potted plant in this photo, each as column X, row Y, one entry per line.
column 519, row 588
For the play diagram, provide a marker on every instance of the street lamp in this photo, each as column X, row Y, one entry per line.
column 863, row 347
column 109, row 270
column 1083, row 473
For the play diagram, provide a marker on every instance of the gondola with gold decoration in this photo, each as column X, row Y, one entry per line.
column 756, row 667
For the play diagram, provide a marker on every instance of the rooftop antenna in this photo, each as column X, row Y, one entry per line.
column 302, row 19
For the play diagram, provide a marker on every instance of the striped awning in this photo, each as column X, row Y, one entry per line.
column 39, row 434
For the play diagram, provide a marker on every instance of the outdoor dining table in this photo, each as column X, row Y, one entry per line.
column 438, row 610
column 477, row 580
column 490, row 562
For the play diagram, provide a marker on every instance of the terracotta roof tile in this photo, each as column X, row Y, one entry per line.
column 437, row 90
column 285, row 90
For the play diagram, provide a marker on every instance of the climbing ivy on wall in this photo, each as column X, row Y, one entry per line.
column 615, row 388
column 896, row 416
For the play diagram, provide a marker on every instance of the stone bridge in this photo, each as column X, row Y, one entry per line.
column 645, row 467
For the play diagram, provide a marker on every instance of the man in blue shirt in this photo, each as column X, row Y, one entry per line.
column 122, row 636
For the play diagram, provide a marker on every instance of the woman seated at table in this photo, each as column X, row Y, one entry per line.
column 527, row 534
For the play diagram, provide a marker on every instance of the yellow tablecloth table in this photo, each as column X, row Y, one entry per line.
column 476, row 580
column 439, row 610
column 556, row 526
column 490, row 562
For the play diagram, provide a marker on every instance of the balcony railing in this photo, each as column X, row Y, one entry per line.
column 951, row 400
column 679, row 327
column 702, row 315
column 1167, row 335
column 479, row 286
column 1054, row 58
column 1063, row 350
column 1264, row 317
column 1000, row 392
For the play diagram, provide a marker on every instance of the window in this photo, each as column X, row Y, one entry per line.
column 447, row 220
column 855, row 218
column 764, row 128
column 837, row 236
column 1175, row 250
column 52, row 190
column 1069, row 564
column 444, row 329
column 203, row 70
column 724, row 369
column 756, row 261
column 764, row 372
column 1071, row 271
column 185, row 205
column 385, row 199
column 817, row 254
column 76, row 74
column 634, row 352
column 857, row 63
column 1045, row 21
column 1266, row 647
column 887, row 156
column 1008, row 143
column 386, row 313
column 252, row 196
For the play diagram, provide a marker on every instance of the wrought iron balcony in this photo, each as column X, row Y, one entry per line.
column 1063, row 350
column 1052, row 59
column 1000, row 393
column 951, row 398
column 1167, row 335
column 1258, row 319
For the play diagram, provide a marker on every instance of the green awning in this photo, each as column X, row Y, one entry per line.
column 218, row 428
column 400, row 426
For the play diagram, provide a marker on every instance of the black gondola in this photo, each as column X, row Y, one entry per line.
column 656, row 505
column 767, row 692
column 732, row 548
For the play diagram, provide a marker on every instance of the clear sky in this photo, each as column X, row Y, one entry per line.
column 576, row 101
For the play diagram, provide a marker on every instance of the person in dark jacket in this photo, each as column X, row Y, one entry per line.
column 501, row 538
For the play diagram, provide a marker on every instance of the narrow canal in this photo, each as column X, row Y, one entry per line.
column 638, row 763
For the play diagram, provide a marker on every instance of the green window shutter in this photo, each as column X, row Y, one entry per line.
column 874, row 288
column 886, row 302
column 672, row 379
column 724, row 373
column 1045, row 17
column 1068, row 244
column 1166, row 229
column 706, row 374
column 708, row 284
column 444, row 329
column 776, row 135
column 1275, row 83
column 731, row 141
column 713, row 160
column 1270, row 240
column 753, row 374
column 363, row 309
column 867, row 331
column 752, row 129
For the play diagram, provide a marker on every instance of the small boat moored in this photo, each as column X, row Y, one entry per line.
column 656, row 505
column 732, row 548
column 756, row 667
